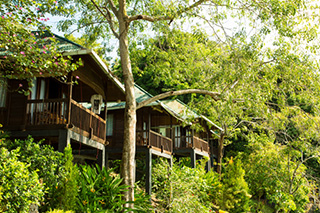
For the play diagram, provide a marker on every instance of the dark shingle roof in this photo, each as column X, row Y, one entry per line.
column 64, row 45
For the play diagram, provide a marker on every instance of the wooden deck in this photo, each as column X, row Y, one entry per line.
column 184, row 142
column 55, row 113
column 155, row 140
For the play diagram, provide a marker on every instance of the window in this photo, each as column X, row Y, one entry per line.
column 162, row 131
column 3, row 92
column 177, row 136
column 34, row 90
column 109, row 124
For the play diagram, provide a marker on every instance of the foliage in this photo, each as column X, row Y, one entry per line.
column 19, row 188
column 275, row 173
column 235, row 192
column 59, row 211
column 99, row 189
column 69, row 186
column 182, row 189
column 256, row 65
column 48, row 164
column 173, row 61
column 97, row 47
column 27, row 47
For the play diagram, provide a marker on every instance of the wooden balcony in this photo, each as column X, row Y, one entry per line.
column 183, row 142
column 55, row 113
column 46, row 112
column 155, row 140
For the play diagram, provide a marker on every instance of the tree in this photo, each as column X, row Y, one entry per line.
column 123, row 19
column 180, row 60
column 28, row 49
column 20, row 187
column 275, row 173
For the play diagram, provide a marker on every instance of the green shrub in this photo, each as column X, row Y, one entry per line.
column 59, row 211
column 235, row 196
column 48, row 164
column 274, row 173
column 69, row 186
column 19, row 188
column 183, row 189
column 99, row 189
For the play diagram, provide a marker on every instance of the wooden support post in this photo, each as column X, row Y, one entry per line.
column 192, row 132
column 171, row 134
column 149, row 119
column 208, row 165
column 193, row 158
column 64, row 140
column 148, row 171
column 101, row 157
column 106, row 158
column 171, row 161
column 69, row 99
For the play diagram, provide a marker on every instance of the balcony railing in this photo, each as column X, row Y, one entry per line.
column 182, row 142
column 42, row 113
column 87, row 121
column 153, row 139
column 46, row 112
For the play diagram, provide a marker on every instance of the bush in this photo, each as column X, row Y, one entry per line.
column 69, row 186
column 274, row 173
column 183, row 189
column 19, row 188
column 99, row 189
column 235, row 196
column 59, row 211
column 48, row 164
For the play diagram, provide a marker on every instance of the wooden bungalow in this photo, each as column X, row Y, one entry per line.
column 56, row 110
column 162, row 130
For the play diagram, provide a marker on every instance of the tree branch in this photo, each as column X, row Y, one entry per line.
column 110, row 21
column 113, row 7
column 148, row 18
column 196, row 4
column 214, row 95
column 108, row 17
column 85, row 25
column 161, row 18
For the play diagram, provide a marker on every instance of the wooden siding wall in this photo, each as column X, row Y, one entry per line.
column 16, row 105
column 3, row 116
column 116, row 140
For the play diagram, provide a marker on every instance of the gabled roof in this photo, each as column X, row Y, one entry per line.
column 184, row 112
column 64, row 45
column 140, row 94
column 176, row 108
column 70, row 48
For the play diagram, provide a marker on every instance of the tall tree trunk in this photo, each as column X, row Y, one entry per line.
column 220, row 151
column 129, row 148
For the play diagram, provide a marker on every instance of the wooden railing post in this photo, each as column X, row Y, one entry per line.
column 148, row 137
column 192, row 141
column 69, row 99
column 90, row 125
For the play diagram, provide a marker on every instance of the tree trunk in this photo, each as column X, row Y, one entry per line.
column 220, row 152
column 129, row 148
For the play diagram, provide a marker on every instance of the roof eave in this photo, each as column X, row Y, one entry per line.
column 101, row 64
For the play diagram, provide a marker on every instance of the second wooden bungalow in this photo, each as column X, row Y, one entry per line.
column 163, row 129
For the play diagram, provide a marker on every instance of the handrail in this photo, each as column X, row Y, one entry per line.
column 34, row 101
column 201, row 144
column 53, row 111
column 157, row 140
column 191, row 142
column 88, row 111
